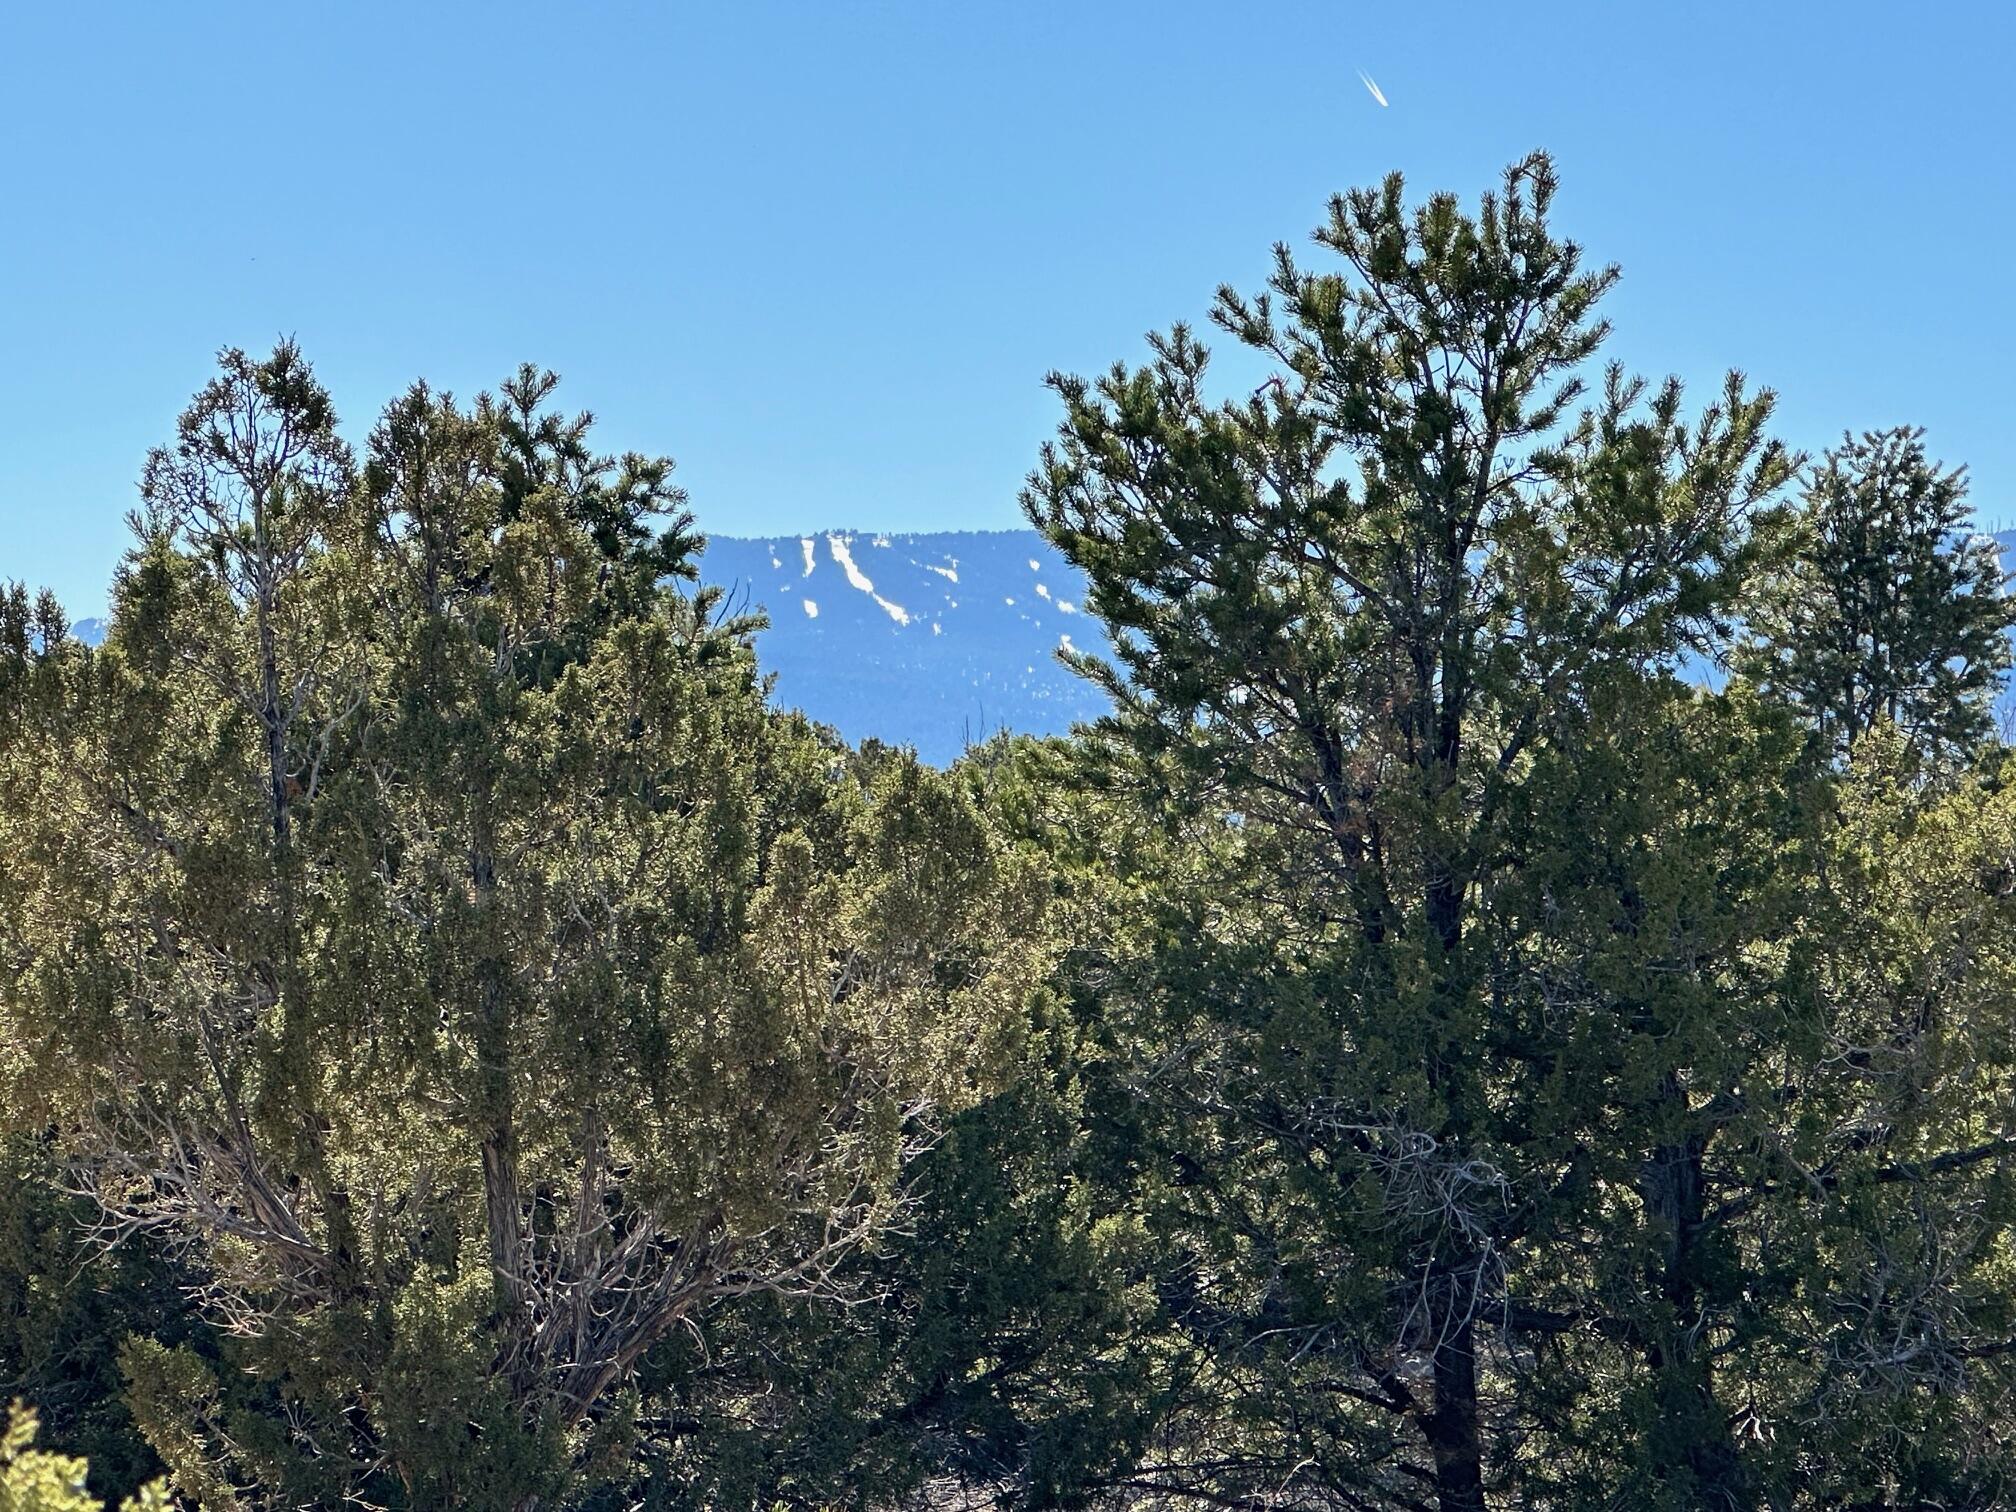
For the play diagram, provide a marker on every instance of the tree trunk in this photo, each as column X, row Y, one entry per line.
column 1454, row 1437
column 496, row 1113
column 1454, row 1431
column 1690, row 1444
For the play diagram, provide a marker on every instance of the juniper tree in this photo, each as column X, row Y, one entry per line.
column 1881, row 1213
column 34, row 1480
column 1894, row 608
column 419, row 918
column 1011, row 1352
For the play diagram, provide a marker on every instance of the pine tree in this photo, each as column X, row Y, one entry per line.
column 1361, row 611
column 1894, row 609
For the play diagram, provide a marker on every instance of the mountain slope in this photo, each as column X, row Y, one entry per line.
column 926, row 640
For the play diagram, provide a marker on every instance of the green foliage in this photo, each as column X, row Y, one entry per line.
column 1006, row 1339
column 65, row 1305
column 1892, row 1188
column 1370, row 605
column 34, row 1480
column 1893, row 609
column 459, row 1048
column 425, row 924
column 1485, row 1036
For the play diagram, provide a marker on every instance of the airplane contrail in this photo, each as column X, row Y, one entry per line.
column 1373, row 87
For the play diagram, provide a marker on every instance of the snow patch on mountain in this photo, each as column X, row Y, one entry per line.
column 845, row 558
column 844, row 555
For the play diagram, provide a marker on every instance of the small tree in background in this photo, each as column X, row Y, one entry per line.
column 1893, row 610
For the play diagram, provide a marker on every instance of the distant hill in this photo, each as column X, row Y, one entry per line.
column 925, row 640
column 930, row 640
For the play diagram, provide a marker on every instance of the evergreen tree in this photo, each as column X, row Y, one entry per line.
column 1362, row 610
column 1879, row 1226
column 65, row 1306
column 421, row 921
column 1894, row 608
column 1563, row 1091
column 1011, row 1349
column 457, row 1042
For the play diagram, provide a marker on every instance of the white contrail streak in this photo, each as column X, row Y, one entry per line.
column 1373, row 87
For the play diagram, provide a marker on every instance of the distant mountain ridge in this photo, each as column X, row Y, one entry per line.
column 933, row 639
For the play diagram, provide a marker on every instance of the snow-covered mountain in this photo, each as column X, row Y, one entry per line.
column 931, row 640
column 928, row 640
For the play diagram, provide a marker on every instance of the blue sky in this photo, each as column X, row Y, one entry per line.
column 823, row 254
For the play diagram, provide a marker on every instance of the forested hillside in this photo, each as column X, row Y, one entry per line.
column 465, row 1043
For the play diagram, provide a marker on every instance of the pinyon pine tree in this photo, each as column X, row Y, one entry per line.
column 1364, row 613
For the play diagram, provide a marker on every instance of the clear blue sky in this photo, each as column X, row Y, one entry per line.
column 824, row 253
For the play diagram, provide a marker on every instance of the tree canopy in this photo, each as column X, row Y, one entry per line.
column 1430, row 1049
column 425, row 930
